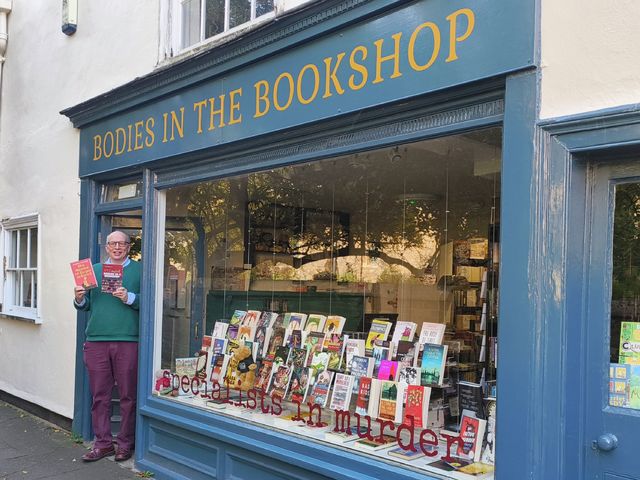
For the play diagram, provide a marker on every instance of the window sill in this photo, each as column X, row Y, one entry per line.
column 8, row 316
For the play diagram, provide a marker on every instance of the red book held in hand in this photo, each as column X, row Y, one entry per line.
column 111, row 277
column 83, row 274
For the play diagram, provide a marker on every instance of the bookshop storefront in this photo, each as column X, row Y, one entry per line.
column 333, row 215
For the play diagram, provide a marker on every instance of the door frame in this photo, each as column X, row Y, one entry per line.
column 559, row 283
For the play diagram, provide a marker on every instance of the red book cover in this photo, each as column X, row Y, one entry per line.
column 83, row 274
column 364, row 391
column 417, row 405
column 111, row 277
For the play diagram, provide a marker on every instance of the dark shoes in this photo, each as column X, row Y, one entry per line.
column 97, row 453
column 122, row 455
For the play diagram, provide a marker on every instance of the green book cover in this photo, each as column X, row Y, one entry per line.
column 630, row 343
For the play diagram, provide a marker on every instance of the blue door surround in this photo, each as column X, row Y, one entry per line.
column 178, row 442
column 560, row 284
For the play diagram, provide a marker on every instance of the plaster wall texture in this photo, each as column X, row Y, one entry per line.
column 589, row 55
column 46, row 71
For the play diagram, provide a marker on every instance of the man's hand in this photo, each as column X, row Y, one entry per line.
column 79, row 294
column 122, row 294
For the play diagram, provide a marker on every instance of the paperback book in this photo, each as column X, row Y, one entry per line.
column 352, row 347
column 236, row 318
column 342, row 390
column 432, row 333
column 294, row 321
column 83, row 274
column 379, row 331
column 360, row 367
column 263, row 377
column 630, row 343
column 298, row 357
column 390, row 408
column 470, row 398
column 409, row 375
column 314, row 344
column 404, row 331
column 388, row 370
column 434, row 358
column 334, row 346
column 251, row 318
column 334, row 324
column 320, row 390
column 376, row 443
column 364, row 394
column 218, row 362
column 472, row 434
column 299, row 384
column 344, row 436
column 220, row 330
column 417, row 405
column 280, row 381
column 315, row 323
column 111, row 277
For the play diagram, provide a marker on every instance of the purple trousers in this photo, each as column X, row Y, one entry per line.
column 109, row 363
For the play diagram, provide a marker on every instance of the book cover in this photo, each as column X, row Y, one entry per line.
column 207, row 340
column 334, row 324
column 406, row 354
column 280, row 381
column 342, row 389
column 470, row 398
column 267, row 319
column 260, row 340
column 246, row 333
column 111, row 277
column 186, row 366
column 281, row 356
column 334, row 345
column 432, row 333
column 232, row 346
column 276, row 340
column 364, row 393
column 388, row 370
column 294, row 321
column 417, row 405
column 477, row 469
column 320, row 390
column 299, row 384
column 263, row 377
column 472, row 434
column 251, row 318
column 634, row 387
column 83, row 274
column 344, row 436
column 375, row 444
column 630, row 343
column 360, row 367
column 390, row 406
column 409, row 375
column 434, row 358
column 315, row 323
column 374, row 398
column 399, row 452
column 353, row 347
column 202, row 370
column 218, row 362
column 319, row 362
column 232, row 332
column 293, row 338
column 220, row 330
column 236, row 318
column 379, row 331
column 404, row 331
column 298, row 357
column 314, row 343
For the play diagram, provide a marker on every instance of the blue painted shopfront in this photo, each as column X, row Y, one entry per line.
column 338, row 78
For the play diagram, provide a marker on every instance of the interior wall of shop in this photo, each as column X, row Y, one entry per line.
column 589, row 55
column 46, row 71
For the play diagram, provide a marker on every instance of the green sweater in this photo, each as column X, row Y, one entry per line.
column 110, row 319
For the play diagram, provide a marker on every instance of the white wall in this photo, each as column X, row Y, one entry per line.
column 46, row 71
column 589, row 55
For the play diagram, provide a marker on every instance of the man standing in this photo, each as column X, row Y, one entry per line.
column 110, row 352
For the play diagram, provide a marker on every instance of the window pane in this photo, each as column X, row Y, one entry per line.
column 34, row 284
column 26, row 288
column 190, row 22
column 239, row 12
column 263, row 7
column 214, row 23
column 17, row 284
column 33, row 232
column 23, row 238
column 624, row 382
column 13, row 253
column 121, row 190
column 406, row 233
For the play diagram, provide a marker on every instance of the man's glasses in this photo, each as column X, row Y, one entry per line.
column 118, row 244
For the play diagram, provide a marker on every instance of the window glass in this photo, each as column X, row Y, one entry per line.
column 239, row 12
column 121, row 190
column 190, row 11
column 624, row 379
column 214, row 18
column 363, row 286
column 20, row 287
column 263, row 6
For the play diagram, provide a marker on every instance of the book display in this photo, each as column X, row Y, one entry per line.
column 366, row 317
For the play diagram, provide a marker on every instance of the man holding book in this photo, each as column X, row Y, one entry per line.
column 111, row 348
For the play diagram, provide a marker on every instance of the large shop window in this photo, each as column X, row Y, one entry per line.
column 351, row 301
column 20, row 293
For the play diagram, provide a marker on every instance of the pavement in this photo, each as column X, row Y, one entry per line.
column 32, row 448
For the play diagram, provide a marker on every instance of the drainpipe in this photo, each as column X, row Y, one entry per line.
column 5, row 9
